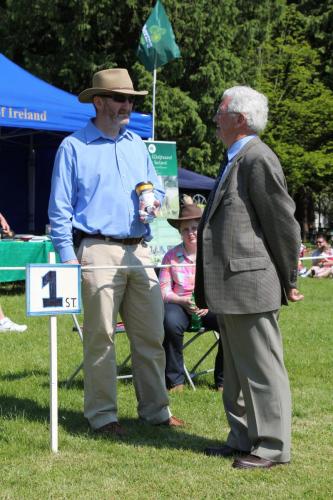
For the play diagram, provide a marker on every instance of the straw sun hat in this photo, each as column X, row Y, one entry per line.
column 110, row 80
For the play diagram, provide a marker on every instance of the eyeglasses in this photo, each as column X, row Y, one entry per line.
column 219, row 112
column 320, row 242
column 187, row 230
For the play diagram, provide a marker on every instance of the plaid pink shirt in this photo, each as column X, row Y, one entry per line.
column 179, row 280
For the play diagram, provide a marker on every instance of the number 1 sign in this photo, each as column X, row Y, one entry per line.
column 53, row 289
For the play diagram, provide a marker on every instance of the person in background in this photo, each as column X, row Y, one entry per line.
column 6, row 324
column 248, row 246
column 177, row 285
column 93, row 193
column 322, row 267
column 301, row 268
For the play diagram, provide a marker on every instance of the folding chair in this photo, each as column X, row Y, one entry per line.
column 120, row 328
column 193, row 373
column 189, row 374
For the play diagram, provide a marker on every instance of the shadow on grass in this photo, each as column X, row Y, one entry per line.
column 139, row 433
column 76, row 384
column 12, row 288
column 143, row 434
column 12, row 408
column 10, row 377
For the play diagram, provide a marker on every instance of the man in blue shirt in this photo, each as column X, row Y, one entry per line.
column 93, row 194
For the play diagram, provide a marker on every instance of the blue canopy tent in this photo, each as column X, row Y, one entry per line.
column 196, row 185
column 34, row 117
column 28, row 102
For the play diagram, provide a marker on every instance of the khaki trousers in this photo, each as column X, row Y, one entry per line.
column 256, row 393
column 135, row 293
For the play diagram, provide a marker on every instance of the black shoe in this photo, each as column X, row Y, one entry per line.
column 254, row 462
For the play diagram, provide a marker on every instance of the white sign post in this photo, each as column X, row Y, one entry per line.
column 53, row 289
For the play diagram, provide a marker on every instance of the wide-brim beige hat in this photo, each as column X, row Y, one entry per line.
column 110, row 80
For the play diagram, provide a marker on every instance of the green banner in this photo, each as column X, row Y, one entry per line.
column 164, row 158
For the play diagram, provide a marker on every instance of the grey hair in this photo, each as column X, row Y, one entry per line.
column 250, row 103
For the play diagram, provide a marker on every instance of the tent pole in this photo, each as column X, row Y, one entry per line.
column 31, row 185
column 154, row 95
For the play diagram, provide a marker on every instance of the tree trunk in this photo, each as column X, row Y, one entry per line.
column 305, row 213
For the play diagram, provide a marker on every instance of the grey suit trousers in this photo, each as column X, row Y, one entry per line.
column 256, row 396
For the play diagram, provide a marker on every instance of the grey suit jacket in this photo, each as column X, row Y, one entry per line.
column 248, row 243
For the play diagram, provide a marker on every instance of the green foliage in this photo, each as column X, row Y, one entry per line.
column 281, row 47
column 319, row 31
column 301, row 127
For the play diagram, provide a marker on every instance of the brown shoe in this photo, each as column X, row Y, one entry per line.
column 111, row 429
column 173, row 422
column 177, row 388
column 224, row 451
column 254, row 462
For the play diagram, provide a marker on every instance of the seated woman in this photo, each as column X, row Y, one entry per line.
column 177, row 285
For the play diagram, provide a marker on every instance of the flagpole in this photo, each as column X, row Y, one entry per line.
column 154, row 94
column 154, row 53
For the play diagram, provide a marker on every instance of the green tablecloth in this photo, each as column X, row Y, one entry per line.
column 19, row 253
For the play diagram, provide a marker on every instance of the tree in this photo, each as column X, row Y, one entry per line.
column 301, row 125
column 282, row 48
column 319, row 30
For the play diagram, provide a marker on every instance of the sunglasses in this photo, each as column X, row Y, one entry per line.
column 121, row 98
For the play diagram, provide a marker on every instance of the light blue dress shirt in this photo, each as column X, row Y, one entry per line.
column 232, row 152
column 93, row 187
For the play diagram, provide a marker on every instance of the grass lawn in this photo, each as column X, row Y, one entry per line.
column 154, row 463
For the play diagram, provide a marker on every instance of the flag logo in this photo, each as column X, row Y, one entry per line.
column 157, row 42
column 157, row 33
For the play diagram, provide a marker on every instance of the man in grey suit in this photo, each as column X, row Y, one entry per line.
column 248, row 245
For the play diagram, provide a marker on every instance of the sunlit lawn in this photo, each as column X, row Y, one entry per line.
column 156, row 462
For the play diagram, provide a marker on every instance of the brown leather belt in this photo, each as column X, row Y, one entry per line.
column 123, row 241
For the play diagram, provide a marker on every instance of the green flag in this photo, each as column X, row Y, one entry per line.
column 157, row 43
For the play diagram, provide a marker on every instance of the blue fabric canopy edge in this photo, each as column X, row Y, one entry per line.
column 28, row 102
column 191, row 180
